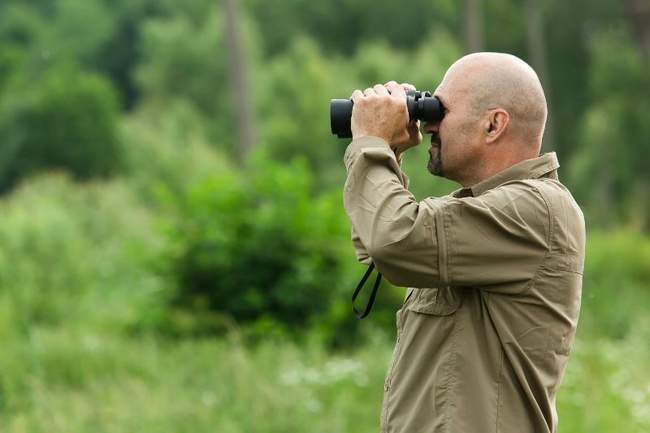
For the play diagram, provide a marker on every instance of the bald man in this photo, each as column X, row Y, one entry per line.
column 493, row 270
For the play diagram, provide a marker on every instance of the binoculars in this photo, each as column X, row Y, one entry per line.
column 420, row 104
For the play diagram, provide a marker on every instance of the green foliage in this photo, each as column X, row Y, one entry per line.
column 82, row 381
column 258, row 244
column 612, row 377
column 60, row 126
column 96, row 277
column 362, row 20
column 611, row 165
column 75, row 254
column 615, row 286
column 181, row 59
column 184, row 57
column 166, row 153
column 294, row 101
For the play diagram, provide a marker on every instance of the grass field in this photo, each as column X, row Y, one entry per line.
column 67, row 381
column 79, row 354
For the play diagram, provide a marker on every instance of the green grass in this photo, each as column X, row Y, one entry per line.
column 81, row 349
column 75, row 381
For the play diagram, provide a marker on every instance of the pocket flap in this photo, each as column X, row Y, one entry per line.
column 435, row 301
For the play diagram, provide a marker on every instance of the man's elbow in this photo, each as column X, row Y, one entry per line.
column 363, row 258
column 401, row 267
column 389, row 265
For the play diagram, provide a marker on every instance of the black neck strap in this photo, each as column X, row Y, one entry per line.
column 373, row 294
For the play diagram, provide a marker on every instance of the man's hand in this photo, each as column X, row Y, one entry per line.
column 381, row 111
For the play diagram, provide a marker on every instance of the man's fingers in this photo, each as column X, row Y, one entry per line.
column 393, row 84
column 397, row 91
column 369, row 91
column 380, row 90
column 356, row 95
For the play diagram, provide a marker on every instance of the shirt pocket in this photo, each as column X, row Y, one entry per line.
column 442, row 301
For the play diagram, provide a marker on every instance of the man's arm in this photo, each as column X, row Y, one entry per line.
column 359, row 248
column 498, row 237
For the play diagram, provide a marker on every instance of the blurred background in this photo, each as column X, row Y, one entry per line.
column 174, row 256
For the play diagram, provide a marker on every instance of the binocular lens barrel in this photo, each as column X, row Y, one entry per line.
column 420, row 104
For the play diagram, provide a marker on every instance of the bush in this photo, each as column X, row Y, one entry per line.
column 256, row 245
column 167, row 152
column 179, row 174
column 76, row 255
column 615, row 290
column 59, row 125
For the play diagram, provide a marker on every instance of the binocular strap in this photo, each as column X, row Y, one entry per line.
column 373, row 294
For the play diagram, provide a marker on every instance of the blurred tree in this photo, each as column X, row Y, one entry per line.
column 340, row 26
column 181, row 60
column 118, row 55
column 473, row 15
column 20, row 23
column 569, row 27
column 610, row 169
column 10, row 58
column 60, row 126
column 295, row 95
column 241, row 96
column 638, row 13
column 536, row 42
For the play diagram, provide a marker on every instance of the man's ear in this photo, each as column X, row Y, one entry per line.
column 496, row 124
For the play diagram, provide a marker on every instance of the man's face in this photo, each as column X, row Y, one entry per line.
column 455, row 139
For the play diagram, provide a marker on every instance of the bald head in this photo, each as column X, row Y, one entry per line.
column 497, row 80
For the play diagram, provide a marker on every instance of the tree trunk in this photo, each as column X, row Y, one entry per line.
column 241, row 96
column 638, row 14
column 537, row 53
column 474, row 40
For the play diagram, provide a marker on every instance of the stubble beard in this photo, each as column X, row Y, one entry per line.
column 435, row 165
column 435, row 157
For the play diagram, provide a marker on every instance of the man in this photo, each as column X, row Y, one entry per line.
column 494, row 269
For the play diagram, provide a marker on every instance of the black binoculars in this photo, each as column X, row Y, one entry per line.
column 420, row 104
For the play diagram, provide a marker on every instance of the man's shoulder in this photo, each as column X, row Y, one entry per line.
column 551, row 190
column 564, row 213
column 528, row 198
column 557, row 196
column 540, row 196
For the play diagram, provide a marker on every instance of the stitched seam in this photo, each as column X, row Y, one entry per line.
column 391, row 371
column 443, row 259
column 499, row 388
column 449, row 243
column 438, row 234
column 548, row 254
column 451, row 378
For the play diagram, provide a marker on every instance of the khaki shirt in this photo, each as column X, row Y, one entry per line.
column 495, row 276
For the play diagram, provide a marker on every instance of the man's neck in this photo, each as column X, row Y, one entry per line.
column 492, row 165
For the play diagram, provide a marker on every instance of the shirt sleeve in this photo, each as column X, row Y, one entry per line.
column 498, row 237
column 360, row 250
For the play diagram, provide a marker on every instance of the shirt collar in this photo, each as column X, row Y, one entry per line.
column 545, row 165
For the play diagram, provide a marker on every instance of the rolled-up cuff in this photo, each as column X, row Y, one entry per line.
column 358, row 144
